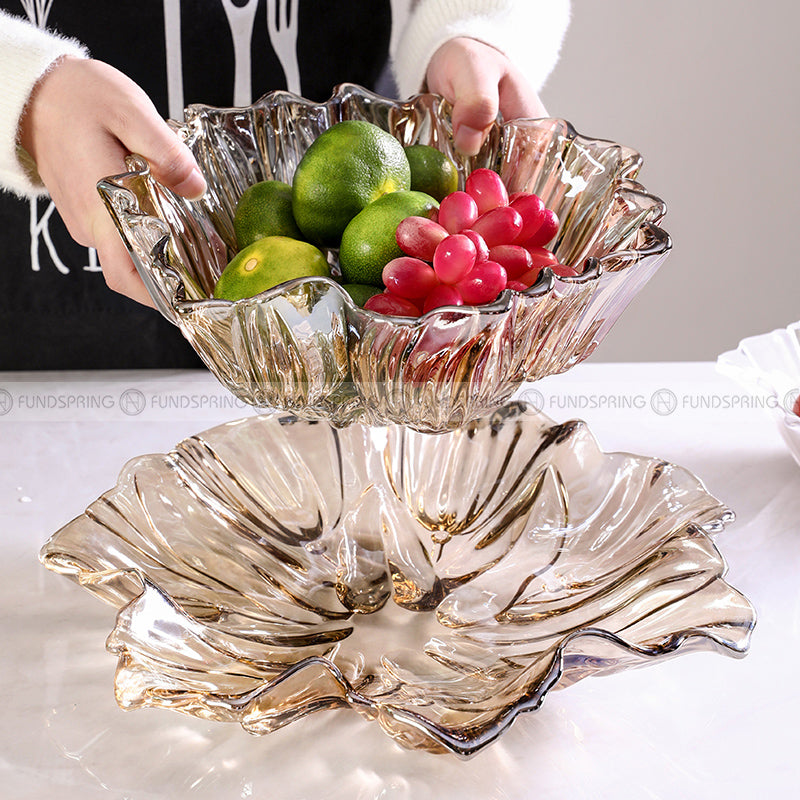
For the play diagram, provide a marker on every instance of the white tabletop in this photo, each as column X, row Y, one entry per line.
column 699, row 725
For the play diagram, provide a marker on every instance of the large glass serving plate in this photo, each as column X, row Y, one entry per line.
column 306, row 348
column 439, row 584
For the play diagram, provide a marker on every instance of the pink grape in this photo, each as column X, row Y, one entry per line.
column 454, row 258
column 514, row 258
column 564, row 271
column 487, row 189
column 499, row 226
column 481, row 250
column 531, row 209
column 389, row 303
column 483, row 284
column 517, row 286
column 442, row 295
column 541, row 257
column 418, row 237
column 543, row 234
column 530, row 277
column 457, row 211
column 409, row 278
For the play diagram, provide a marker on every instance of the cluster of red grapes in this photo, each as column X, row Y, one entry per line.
column 481, row 242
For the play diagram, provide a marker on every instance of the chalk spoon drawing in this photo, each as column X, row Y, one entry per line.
column 241, row 18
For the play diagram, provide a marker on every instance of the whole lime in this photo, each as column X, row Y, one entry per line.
column 432, row 171
column 266, row 263
column 345, row 168
column 360, row 292
column 369, row 243
column 265, row 209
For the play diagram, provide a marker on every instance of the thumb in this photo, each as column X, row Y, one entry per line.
column 171, row 161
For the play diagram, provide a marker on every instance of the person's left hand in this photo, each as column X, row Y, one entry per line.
column 479, row 81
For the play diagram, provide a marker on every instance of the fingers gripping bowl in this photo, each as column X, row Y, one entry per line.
column 305, row 347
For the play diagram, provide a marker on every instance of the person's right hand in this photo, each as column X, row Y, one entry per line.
column 83, row 118
column 479, row 81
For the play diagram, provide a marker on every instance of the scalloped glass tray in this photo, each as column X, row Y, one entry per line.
column 306, row 348
column 441, row 585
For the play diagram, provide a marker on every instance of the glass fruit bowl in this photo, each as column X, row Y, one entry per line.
column 770, row 365
column 305, row 347
column 439, row 584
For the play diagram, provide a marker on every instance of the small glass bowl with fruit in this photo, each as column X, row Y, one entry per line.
column 347, row 264
column 769, row 364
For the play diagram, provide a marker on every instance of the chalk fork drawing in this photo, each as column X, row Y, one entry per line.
column 282, row 27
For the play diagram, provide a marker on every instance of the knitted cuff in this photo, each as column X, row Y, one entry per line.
column 26, row 54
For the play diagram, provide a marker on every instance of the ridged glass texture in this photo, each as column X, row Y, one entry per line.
column 306, row 348
column 439, row 584
column 770, row 365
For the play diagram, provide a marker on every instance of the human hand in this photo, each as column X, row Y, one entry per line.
column 83, row 118
column 479, row 81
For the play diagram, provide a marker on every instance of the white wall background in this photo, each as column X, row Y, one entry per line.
column 708, row 92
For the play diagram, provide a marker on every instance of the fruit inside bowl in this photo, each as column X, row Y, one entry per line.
column 308, row 345
column 399, row 233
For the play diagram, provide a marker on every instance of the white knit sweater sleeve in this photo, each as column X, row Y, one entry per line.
column 528, row 32
column 26, row 53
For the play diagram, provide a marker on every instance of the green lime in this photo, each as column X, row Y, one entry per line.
column 432, row 171
column 368, row 242
column 265, row 209
column 266, row 263
column 345, row 168
column 360, row 292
